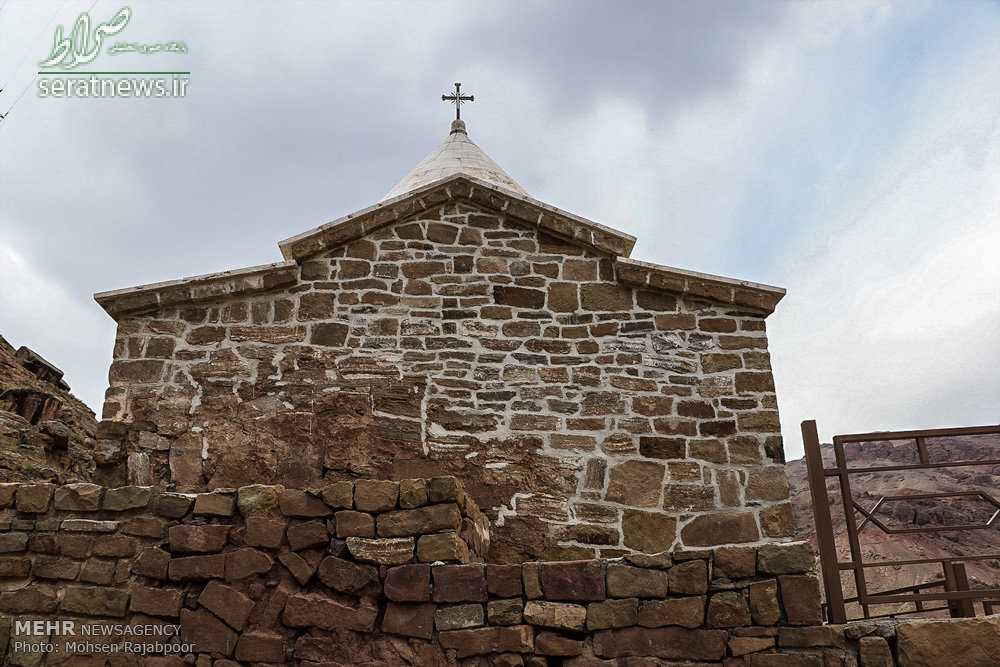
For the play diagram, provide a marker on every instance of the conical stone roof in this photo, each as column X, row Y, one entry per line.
column 456, row 155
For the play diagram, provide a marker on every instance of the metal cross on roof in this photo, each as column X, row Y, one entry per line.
column 458, row 98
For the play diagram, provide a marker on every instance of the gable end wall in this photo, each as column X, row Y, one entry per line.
column 586, row 416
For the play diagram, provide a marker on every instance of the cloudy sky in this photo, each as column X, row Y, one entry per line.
column 847, row 151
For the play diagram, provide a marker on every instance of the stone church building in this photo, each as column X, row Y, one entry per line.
column 591, row 404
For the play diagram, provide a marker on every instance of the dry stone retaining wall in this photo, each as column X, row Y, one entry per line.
column 586, row 408
column 383, row 573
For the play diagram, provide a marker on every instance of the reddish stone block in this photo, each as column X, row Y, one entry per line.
column 259, row 647
column 242, row 563
column 197, row 539
column 197, row 567
column 319, row 611
column 412, row 583
column 573, row 580
column 550, row 643
column 308, row 535
column 503, row 581
column 459, row 583
column 207, row 632
column 227, row 603
column 264, row 532
column 483, row 641
column 409, row 620
column 667, row 643
column 801, row 599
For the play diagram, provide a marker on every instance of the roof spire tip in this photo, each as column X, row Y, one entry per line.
column 457, row 126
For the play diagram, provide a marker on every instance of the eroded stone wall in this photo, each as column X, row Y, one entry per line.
column 586, row 417
column 378, row 573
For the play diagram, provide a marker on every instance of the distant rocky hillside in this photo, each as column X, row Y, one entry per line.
column 869, row 487
column 46, row 433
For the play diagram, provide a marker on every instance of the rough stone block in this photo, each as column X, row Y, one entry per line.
column 34, row 498
column 94, row 601
column 636, row 483
column 215, row 504
column 246, row 562
column 264, row 532
column 728, row 609
column 666, row 643
column 413, row 493
column 819, row 636
column 483, row 641
column 339, row 495
column 635, row 582
column 459, row 617
column 444, row 547
column 298, row 566
column 735, row 562
column 408, row 583
column 156, row 601
column 505, row 612
column 503, row 581
column 33, row 599
column 704, row 530
column 193, row 568
column 260, row 647
column 257, row 498
column 80, row 497
column 375, row 495
column 558, row 615
column 307, row 535
column 197, row 539
column 875, row 652
column 764, row 609
column 786, row 558
column 127, row 498
column 227, row 603
column 382, row 551
column 145, row 526
column 970, row 642
column 649, row 532
column 532, row 580
column 319, row 611
column 550, row 643
column 354, row 524
column 350, row 578
column 421, row 521
column 573, row 580
column 459, row 583
column 687, row 612
column 409, row 620
column 302, row 504
column 208, row 633
column 689, row 578
column 172, row 505
column 801, row 599
column 152, row 562
column 612, row 614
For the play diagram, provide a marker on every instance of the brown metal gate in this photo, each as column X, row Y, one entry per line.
column 955, row 595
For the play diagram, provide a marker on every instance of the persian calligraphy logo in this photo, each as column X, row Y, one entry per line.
column 83, row 44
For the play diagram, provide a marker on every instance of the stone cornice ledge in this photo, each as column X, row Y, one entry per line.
column 581, row 231
column 751, row 296
column 197, row 288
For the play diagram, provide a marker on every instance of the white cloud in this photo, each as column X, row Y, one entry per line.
column 892, row 320
column 43, row 314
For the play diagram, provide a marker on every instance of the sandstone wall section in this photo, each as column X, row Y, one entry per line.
column 383, row 573
column 585, row 414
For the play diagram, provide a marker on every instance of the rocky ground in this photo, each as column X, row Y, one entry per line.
column 46, row 433
column 869, row 487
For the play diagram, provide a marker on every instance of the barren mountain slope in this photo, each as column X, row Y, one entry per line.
column 868, row 488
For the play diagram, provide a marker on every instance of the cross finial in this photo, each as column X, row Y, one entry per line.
column 458, row 98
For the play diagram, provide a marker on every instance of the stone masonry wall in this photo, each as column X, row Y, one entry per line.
column 382, row 573
column 587, row 416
